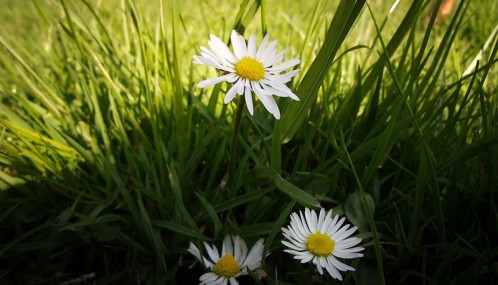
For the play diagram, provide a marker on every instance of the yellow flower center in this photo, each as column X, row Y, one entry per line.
column 320, row 244
column 227, row 266
column 250, row 68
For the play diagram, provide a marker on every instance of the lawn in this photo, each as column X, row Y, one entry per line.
column 120, row 155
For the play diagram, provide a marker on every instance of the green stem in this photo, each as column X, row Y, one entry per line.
column 233, row 140
column 309, row 274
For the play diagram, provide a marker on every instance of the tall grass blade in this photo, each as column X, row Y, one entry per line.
column 295, row 114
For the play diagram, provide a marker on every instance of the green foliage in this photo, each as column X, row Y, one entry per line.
column 112, row 161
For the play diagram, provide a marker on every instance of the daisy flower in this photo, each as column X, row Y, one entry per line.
column 249, row 69
column 321, row 240
column 233, row 262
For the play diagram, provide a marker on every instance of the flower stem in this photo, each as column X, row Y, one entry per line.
column 233, row 139
column 309, row 274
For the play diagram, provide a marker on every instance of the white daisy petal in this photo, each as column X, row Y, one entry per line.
column 239, row 45
column 303, row 223
column 337, row 225
column 347, row 254
column 341, row 233
column 275, row 108
column 231, row 93
column 227, row 246
column 254, row 257
column 332, row 224
column 322, row 261
column 211, row 81
column 258, row 89
column 208, row 277
column 219, row 60
column 285, row 65
column 311, row 219
column 203, row 60
column 327, row 222
column 339, row 265
column 349, row 242
column 284, row 91
column 280, row 79
column 270, row 105
column 248, row 97
column 299, row 231
column 321, row 219
column 240, row 87
column 298, row 247
column 233, row 281
column 237, row 251
column 347, row 233
column 197, row 61
column 320, row 239
column 292, row 236
column 243, row 251
column 307, row 257
column 212, row 252
column 274, row 59
column 237, row 50
column 243, row 45
column 269, row 52
column 262, row 47
column 332, row 270
column 304, row 256
column 297, row 244
column 230, row 77
column 195, row 252
column 220, row 281
column 221, row 49
column 251, row 46
column 320, row 269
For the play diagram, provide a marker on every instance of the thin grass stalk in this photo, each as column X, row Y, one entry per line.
column 237, row 120
column 370, row 218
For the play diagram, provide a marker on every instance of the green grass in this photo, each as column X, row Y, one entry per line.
column 112, row 160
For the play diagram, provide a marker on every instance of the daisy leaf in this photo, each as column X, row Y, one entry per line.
column 295, row 193
column 356, row 210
